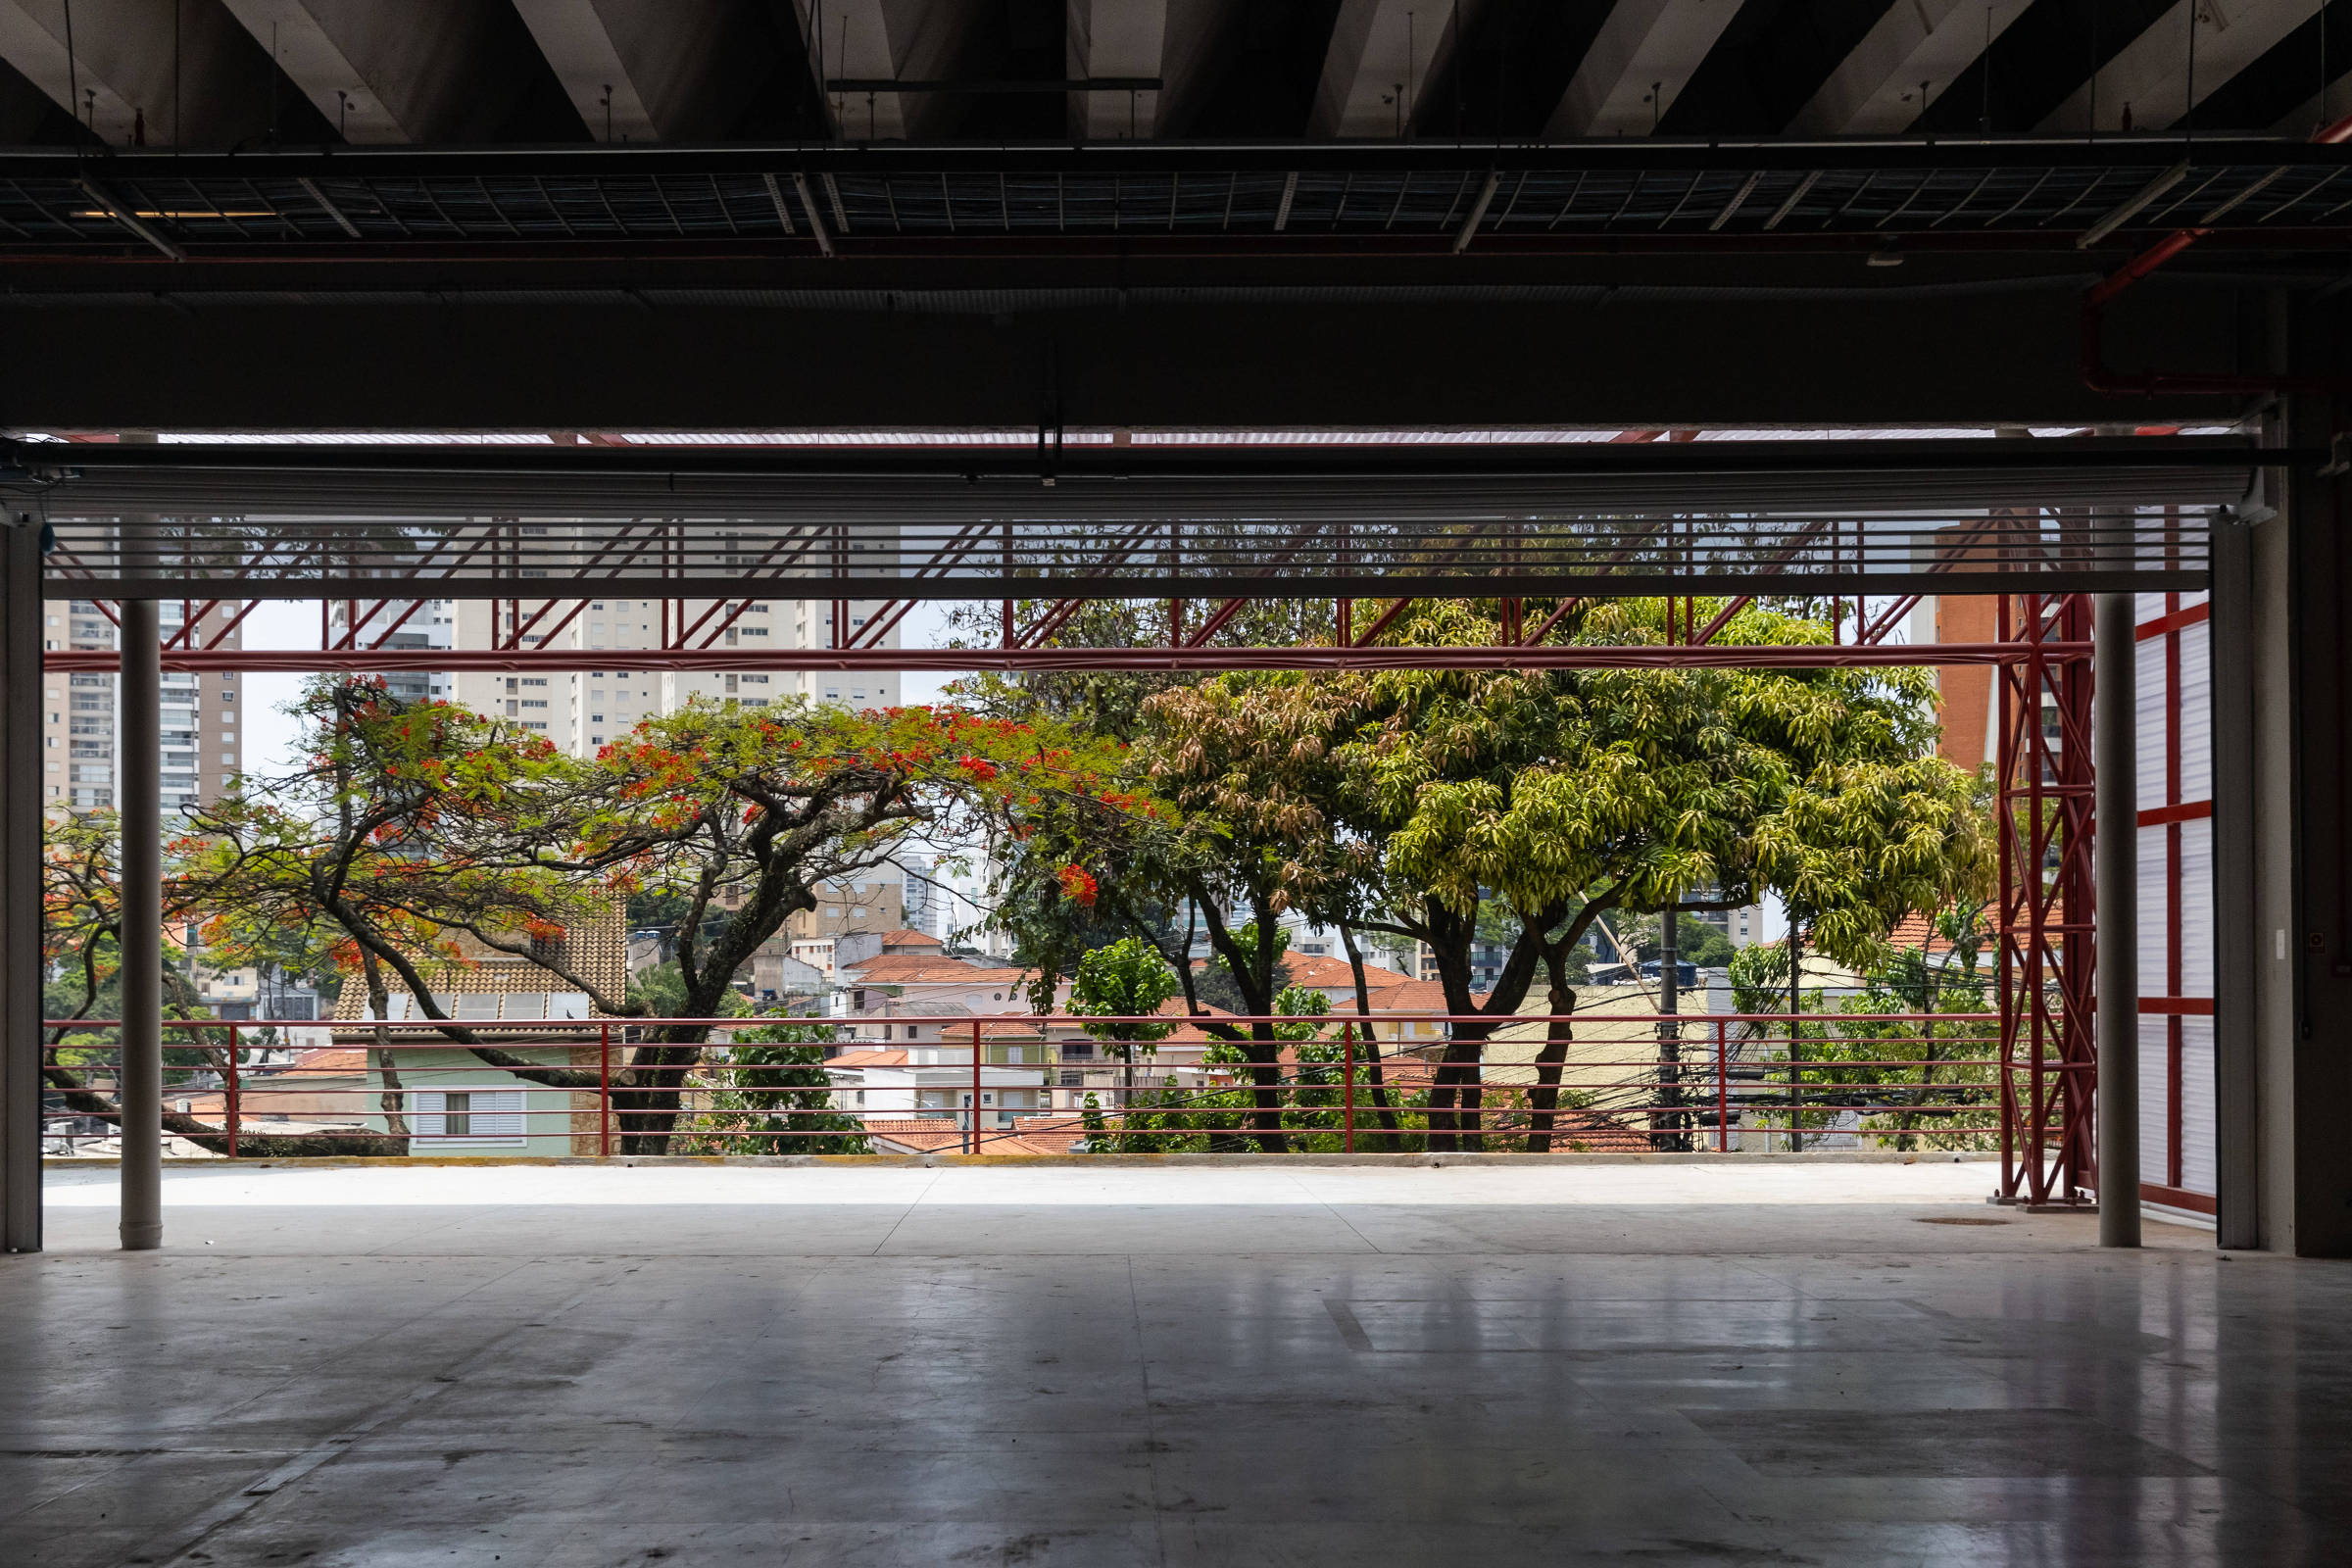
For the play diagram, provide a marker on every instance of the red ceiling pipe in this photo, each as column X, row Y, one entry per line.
column 2097, row 375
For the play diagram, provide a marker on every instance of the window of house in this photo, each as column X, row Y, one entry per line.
column 478, row 1117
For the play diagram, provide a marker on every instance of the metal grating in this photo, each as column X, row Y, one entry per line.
column 2024, row 190
column 1882, row 516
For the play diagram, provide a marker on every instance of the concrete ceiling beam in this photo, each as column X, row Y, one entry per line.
column 1383, row 56
column 913, row 41
column 1115, row 38
column 2152, row 76
column 129, row 74
column 334, row 82
column 655, row 70
column 1638, row 64
column 399, row 71
column 582, row 49
column 1911, row 54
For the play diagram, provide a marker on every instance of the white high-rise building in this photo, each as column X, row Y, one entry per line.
column 582, row 711
column 82, row 738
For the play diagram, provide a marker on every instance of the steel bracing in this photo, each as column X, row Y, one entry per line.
column 1523, row 532
column 1568, row 517
column 2046, row 925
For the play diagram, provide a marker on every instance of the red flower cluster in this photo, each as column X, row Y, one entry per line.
column 1077, row 884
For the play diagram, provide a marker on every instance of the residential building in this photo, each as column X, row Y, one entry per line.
column 866, row 905
column 81, row 737
column 454, row 1104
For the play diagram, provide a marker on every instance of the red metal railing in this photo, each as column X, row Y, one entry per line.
column 1023, row 1085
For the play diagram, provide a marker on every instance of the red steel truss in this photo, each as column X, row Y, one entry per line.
column 2042, row 656
column 2046, row 935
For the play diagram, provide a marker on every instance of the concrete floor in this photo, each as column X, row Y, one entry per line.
column 1566, row 1364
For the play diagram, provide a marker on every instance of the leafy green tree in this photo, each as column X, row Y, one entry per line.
column 769, row 1094
column 1118, row 987
column 1406, row 800
column 82, row 935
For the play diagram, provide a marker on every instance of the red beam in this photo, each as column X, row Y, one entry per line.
column 1570, row 656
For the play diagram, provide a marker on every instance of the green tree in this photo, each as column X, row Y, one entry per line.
column 769, row 1093
column 81, row 936
column 1118, row 987
column 1408, row 800
column 403, row 831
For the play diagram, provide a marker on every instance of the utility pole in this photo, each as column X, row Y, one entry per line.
column 1670, row 1032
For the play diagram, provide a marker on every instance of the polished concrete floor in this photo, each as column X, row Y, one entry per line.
column 1571, row 1364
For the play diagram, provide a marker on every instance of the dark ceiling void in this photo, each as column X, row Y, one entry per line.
column 2295, row 71
column 30, row 117
column 1015, row 40
column 1506, row 73
column 1769, row 63
column 1258, row 72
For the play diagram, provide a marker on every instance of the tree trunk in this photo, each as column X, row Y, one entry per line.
column 214, row 1139
column 1383, row 1108
column 1265, row 1091
column 393, row 1101
column 1459, row 1083
column 1543, row 1101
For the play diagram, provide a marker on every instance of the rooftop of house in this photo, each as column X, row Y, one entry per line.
column 922, row 968
column 1325, row 973
column 597, row 951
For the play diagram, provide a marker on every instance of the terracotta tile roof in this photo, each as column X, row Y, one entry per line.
column 597, row 950
column 916, row 968
column 1914, row 931
column 1409, row 996
column 1326, row 973
column 867, row 1059
column 906, row 937
column 323, row 1060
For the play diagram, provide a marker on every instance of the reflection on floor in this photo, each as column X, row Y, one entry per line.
column 1621, row 1364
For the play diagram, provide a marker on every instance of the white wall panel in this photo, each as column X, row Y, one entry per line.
column 2196, row 1105
column 2196, row 907
column 2196, row 712
column 2149, row 709
column 2152, row 874
column 2155, row 1093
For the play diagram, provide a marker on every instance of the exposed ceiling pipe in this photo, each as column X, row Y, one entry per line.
column 2097, row 375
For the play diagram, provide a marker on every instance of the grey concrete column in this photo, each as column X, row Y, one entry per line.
column 21, row 800
column 2114, row 756
column 139, row 795
column 2236, row 940
column 139, row 798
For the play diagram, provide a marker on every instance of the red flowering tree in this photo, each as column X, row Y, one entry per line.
column 745, row 812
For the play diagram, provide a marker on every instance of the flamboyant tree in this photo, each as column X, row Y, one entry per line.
column 422, row 830
column 746, row 812
column 81, row 936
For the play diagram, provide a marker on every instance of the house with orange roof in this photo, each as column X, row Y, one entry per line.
column 980, row 990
